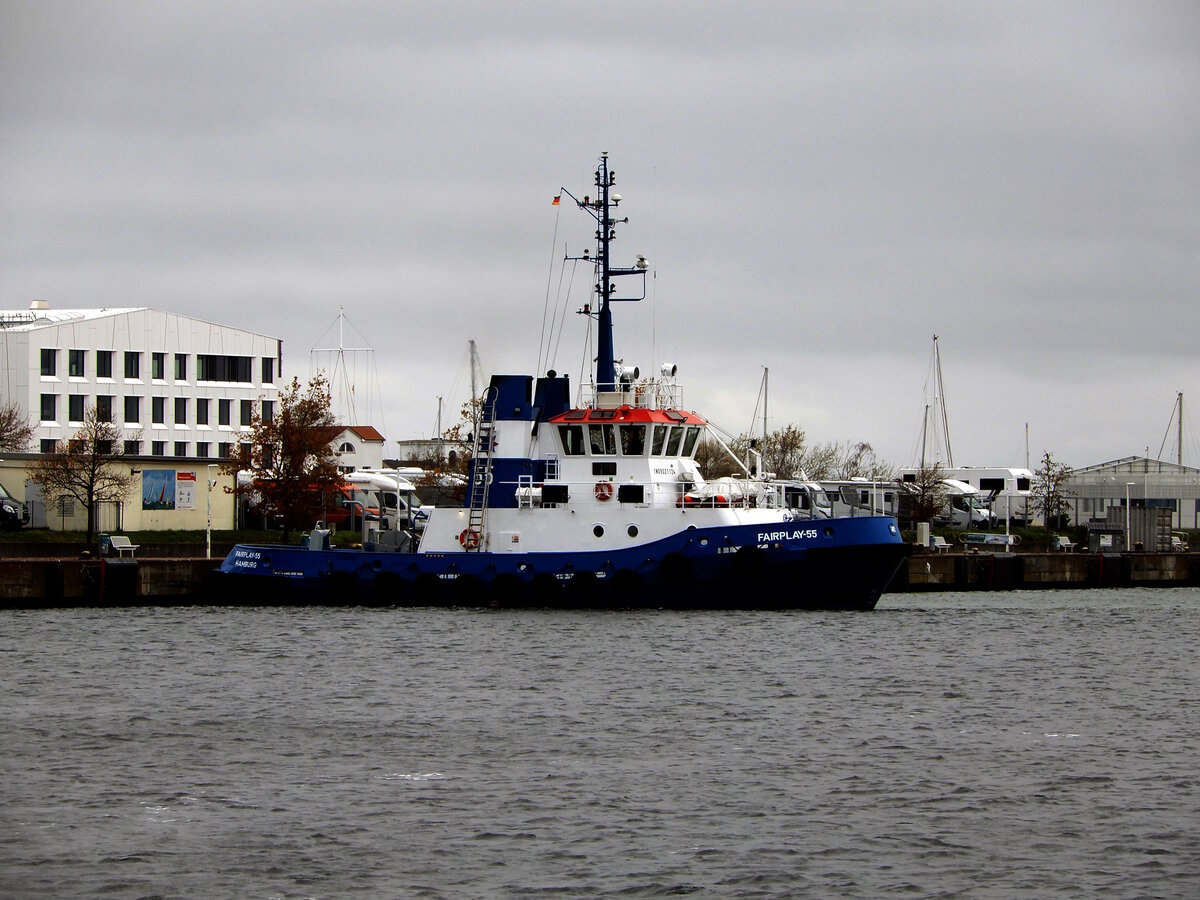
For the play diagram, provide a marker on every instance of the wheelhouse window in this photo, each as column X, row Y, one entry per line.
column 602, row 440
column 571, row 437
column 659, row 440
column 633, row 440
column 689, row 442
column 673, row 441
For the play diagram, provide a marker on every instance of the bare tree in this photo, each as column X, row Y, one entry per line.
column 15, row 430
column 1049, row 495
column 926, row 493
column 87, row 468
column 859, row 461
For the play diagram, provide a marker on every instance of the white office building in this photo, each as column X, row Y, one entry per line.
column 176, row 386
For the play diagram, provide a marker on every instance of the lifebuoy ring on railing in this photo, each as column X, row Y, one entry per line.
column 603, row 491
column 469, row 538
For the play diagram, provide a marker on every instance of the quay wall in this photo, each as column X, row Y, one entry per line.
column 40, row 582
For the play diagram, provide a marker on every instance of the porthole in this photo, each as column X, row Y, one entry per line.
column 632, row 531
column 598, row 530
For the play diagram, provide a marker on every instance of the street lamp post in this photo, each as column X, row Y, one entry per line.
column 1128, row 485
column 208, row 509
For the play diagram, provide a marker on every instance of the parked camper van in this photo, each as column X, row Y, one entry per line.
column 1006, row 492
column 965, row 506
column 860, row 497
column 393, row 495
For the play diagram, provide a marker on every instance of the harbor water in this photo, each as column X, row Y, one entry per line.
column 1034, row 744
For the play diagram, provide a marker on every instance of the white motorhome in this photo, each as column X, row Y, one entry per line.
column 861, row 497
column 965, row 506
column 1008, row 492
column 393, row 495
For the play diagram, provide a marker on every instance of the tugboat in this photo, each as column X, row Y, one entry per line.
column 595, row 504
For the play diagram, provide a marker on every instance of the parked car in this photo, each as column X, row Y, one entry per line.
column 14, row 515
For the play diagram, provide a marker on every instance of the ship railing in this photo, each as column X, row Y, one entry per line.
column 646, row 394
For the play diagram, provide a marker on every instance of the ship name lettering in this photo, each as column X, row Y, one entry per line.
column 795, row 533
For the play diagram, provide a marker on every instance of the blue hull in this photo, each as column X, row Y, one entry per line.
column 811, row 564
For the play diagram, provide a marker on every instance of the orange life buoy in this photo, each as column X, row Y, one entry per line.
column 469, row 538
column 603, row 491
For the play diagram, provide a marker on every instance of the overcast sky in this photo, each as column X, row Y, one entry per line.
column 819, row 187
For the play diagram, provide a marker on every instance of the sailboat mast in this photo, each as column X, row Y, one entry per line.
column 941, row 390
column 1180, row 433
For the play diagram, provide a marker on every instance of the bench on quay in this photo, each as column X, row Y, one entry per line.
column 1063, row 543
column 939, row 543
column 120, row 543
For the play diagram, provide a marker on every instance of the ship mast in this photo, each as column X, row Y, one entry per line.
column 602, row 208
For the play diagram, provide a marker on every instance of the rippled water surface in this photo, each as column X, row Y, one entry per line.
column 994, row 745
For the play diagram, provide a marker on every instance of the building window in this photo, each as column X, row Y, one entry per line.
column 224, row 368
column 49, row 445
column 158, row 366
column 181, row 410
column 268, row 370
column 181, row 367
column 268, row 410
column 103, row 363
column 158, row 448
column 223, row 450
column 49, row 407
column 158, row 410
column 76, row 360
column 224, row 411
column 105, row 447
column 244, row 449
column 49, row 362
column 202, row 449
column 181, row 448
column 133, row 448
column 133, row 364
column 201, row 411
column 75, row 405
column 346, row 447
column 133, row 410
column 104, row 408
column 247, row 412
